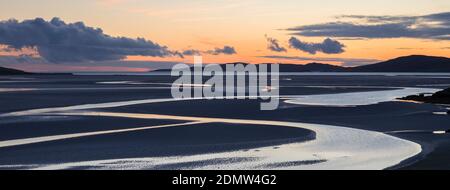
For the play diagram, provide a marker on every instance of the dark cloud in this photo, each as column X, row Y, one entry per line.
column 407, row 48
column 21, row 59
column 227, row 50
column 274, row 45
column 328, row 46
column 57, row 41
column 434, row 26
column 351, row 39
column 344, row 61
column 191, row 52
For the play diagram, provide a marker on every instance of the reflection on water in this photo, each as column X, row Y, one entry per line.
column 342, row 148
column 358, row 98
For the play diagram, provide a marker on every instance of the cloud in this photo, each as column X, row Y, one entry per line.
column 433, row 26
column 274, row 45
column 191, row 52
column 328, row 46
column 21, row 59
column 344, row 61
column 6, row 49
column 226, row 50
column 58, row 42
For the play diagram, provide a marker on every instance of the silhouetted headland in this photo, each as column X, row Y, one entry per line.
column 441, row 97
column 7, row 71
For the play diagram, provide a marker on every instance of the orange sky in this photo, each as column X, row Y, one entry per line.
column 208, row 24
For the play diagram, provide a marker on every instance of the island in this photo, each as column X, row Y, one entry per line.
column 441, row 97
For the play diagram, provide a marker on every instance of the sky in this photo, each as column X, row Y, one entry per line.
column 137, row 35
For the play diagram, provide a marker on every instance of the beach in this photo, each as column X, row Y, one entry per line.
column 132, row 122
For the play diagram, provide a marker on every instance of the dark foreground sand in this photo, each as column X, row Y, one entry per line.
column 57, row 91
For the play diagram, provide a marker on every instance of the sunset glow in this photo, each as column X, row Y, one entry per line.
column 205, row 25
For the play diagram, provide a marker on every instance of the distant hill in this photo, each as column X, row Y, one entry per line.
column 311, row 67
column 413, row 63
column 7, row 71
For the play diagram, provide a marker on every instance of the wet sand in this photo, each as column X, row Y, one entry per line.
column 57, row 91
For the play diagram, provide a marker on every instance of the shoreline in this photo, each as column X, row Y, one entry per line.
column 66, row 112
column 378, row 118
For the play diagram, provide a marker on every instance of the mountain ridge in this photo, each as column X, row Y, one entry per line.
column 412, row 63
